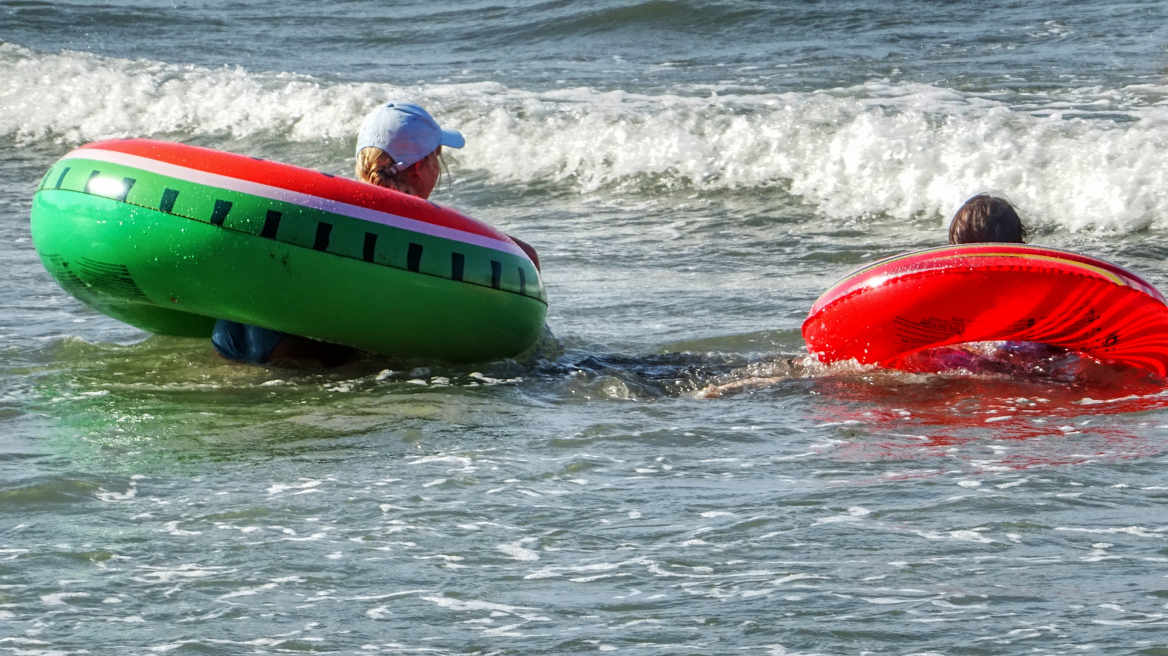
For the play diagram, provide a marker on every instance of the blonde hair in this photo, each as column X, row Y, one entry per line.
column 375, row 166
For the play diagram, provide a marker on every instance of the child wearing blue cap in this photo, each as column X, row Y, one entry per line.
column 398, row 147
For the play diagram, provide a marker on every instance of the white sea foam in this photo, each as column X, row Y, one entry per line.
column 247, row 592
column 517, row 551
column 77, row 97
column 461, row 461
column 899, row 149
column 473, row 604
column 173, row 529
column 59, row 598
column 1138, row 531
column 970, row 536
column 278, row 488
column 108, row 496
column 550, row 572
column 185, row 572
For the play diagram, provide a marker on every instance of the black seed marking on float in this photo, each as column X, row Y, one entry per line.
column 414, row 257
column 271, row 225
column 457, row 265
column 61, row 178
column 522, row 281
column 370, row 247
column 167, row 202
column 92, row 177
column 127, row 184
column 496, row 273
column 219, row 214
column 322, row 236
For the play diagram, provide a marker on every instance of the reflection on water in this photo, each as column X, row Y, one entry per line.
column 568, row 496
column 179, row 395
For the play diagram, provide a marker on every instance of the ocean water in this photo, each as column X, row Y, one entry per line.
column 694, row 174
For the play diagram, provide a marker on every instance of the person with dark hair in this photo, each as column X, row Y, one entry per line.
column 986, row 218
column 982, row 219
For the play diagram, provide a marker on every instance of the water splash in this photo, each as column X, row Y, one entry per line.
column 1080, row 158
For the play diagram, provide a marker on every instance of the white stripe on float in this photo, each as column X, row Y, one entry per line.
column 294, row 197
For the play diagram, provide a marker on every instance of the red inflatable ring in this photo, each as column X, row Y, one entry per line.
column 984, row 292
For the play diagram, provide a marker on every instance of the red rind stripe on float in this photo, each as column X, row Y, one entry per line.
column 300, row 180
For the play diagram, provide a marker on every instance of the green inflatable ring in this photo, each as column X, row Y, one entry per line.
column 169, row 238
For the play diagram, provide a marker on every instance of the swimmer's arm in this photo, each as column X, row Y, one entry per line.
column 527, row 248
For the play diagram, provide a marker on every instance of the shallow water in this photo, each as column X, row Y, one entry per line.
column 693, row 174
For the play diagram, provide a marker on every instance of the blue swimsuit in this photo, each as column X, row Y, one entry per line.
column 244, row 343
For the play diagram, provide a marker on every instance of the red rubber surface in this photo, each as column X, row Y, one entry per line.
column 305, row 181
column 983, row 292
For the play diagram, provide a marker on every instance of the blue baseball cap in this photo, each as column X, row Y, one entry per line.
column 406, row 132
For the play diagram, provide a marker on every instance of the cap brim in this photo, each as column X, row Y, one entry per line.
column 451, row 138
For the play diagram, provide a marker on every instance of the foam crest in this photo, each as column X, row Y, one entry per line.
column 75, row 97
column 1079, row 158
column 903, row 151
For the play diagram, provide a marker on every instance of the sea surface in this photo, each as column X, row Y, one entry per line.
column 675, row 475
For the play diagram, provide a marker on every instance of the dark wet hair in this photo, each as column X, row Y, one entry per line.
column 986, row 218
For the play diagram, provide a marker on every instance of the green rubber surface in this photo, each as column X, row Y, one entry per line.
column 167, row 258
